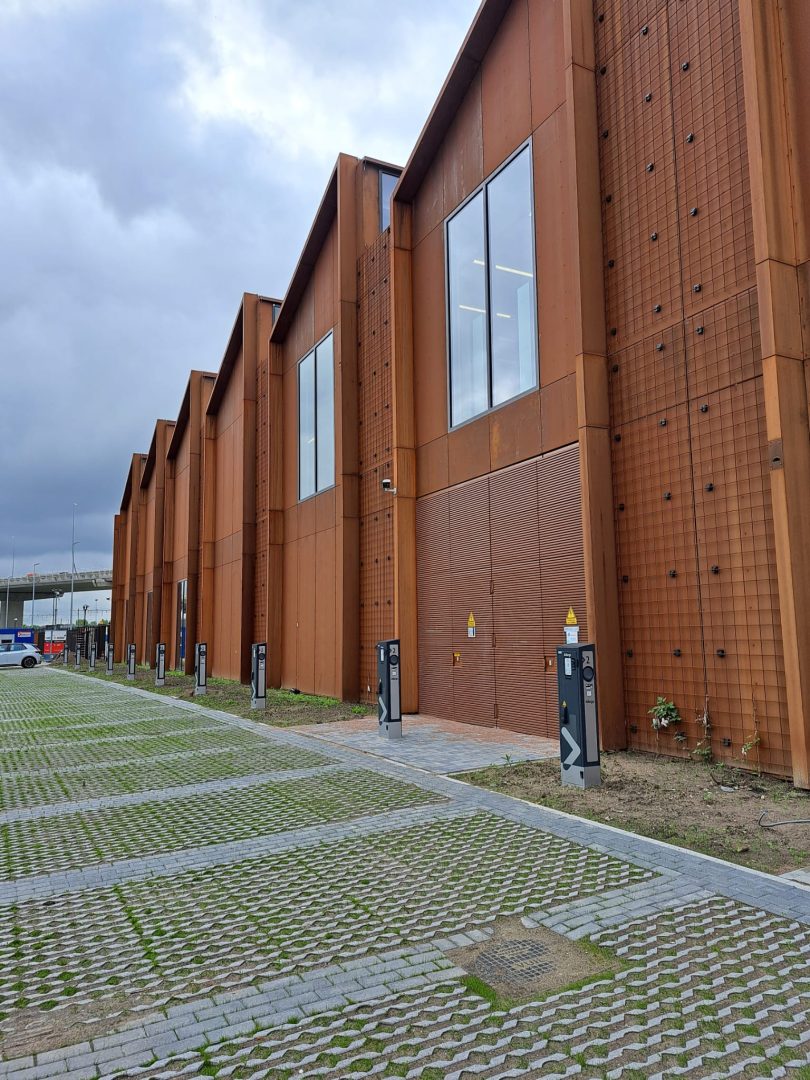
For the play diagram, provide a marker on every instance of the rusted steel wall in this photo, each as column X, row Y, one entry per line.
column 694, row 526
column 506, row 548
column 375, row 431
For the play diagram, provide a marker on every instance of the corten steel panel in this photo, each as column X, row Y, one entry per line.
column 740, row 601
column 305, row 673
column 518, row 600
column 290, row 436
column 428, row 205
column 261, row 598
column 468, row 450
column 717, row 244
column 323, row 646
column 324, row 281
column 552, row 230
column 658, row 573
column 375, row 439
column 562, row 563
column 507, row 547
column 647, row 376
column 639, row 192
column 795, row 18
column 514, row 432
column 546, row 57
column 618, row 21
column 432, row 466
column 723, row 345
column 434, row 591
column 505, row 95
column 463, row 150
column 429, row 341
column 558, row 413
column 289, row 616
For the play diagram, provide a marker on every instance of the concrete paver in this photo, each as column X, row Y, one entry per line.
column 299, row 918
column 439, row 746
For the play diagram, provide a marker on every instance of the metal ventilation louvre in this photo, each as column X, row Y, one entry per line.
column 508, row 548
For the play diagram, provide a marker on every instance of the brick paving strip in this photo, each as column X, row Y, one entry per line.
column 327, row 949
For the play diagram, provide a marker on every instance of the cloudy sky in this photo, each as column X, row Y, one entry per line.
column 157, row 159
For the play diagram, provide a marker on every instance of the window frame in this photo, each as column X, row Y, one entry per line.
column 527, row 145
column 313, row 352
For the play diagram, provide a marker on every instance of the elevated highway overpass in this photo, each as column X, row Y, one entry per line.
column 47, row 586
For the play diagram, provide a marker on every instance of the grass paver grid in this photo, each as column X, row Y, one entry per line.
column 57, row 737
column 27, row 791
column 124, row 749
column 235, row 924
column 44, row 845
column 706, row 990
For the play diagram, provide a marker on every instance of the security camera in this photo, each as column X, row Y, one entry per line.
column 387, row 485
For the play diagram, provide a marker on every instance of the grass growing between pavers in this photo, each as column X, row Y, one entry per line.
column 285, row 708
column 682, row 802
column 714, row 989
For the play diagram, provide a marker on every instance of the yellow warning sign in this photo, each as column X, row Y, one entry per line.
column 570, row 618
column 471, row 621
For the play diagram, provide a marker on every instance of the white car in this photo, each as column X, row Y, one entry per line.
column 19, row 654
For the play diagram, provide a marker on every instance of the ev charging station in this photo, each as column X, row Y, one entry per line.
column 91, row 655
column 258, row 676
column 78, row 663
column 131, row 662
column 579, row 723
column 110, row 658
column 389, row 710
column 200, row 669
column 160, row 664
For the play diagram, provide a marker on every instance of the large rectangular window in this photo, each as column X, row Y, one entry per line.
column 492, row 321
column 316, row 420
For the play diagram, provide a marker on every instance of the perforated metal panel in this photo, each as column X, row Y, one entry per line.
column 698, row 596
column 375, row 436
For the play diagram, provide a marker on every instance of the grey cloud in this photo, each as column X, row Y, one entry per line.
column 130, row 227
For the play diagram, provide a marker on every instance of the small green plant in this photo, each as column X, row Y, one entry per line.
column 703, row 748
column 664, row 714
column 508, row 760
column 751, row 743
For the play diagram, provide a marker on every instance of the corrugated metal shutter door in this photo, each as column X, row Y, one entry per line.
column 507, row 548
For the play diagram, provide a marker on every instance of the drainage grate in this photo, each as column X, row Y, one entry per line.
column 520, row 961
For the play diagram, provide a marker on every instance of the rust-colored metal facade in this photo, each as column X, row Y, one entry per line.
column 182, row 530
column 655, row 480
column 694, row 524
column 506, row 548
column 374, row 430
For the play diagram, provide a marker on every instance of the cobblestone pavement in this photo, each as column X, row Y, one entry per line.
column 184, row 893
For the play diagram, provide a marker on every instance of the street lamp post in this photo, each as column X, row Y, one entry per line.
column 72, row 562
column 33, row 591
column 8, row 579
